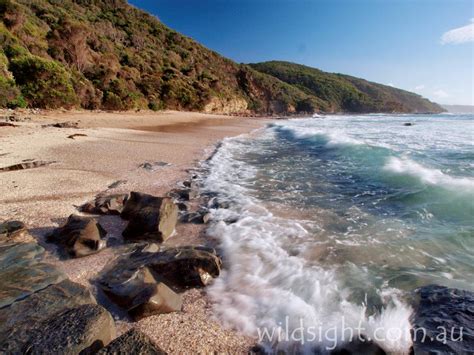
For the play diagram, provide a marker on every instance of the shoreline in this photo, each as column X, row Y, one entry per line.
column 105, row 154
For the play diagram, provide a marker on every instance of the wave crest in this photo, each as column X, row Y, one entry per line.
column 429, row 176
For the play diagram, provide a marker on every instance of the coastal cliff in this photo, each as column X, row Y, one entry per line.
column 106, row 54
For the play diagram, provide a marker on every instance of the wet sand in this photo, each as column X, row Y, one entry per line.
column 107, row 159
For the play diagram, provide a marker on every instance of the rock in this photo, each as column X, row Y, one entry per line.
column 185, row 267
column 408, row 124
column 442, row 309
column 215, row 203
column 16, row 254
column 185, row 194
column 84, row 329
column 72, row 136
column 358, row 347
column 79, row 236
column 14, row 232
column 7, row 124
column 21, row 272
column 45, row 303
column 17, row 319
column 206, row 218
column 26, row 165
column 132, row 342
column 20, row 281
column 111, row 204
column 139, row 292
column 116, row 183
column 149, row 217
column 67, row 124
column 182, row 206
column 145, row 281
column 199, row 217
column 152, row 166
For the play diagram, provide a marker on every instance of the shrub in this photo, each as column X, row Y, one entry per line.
column 112, row 101
column 10, row 95
column 44, row 83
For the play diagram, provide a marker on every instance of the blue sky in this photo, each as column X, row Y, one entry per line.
column 395, row 42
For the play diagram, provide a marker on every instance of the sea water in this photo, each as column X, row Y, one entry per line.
column 328, row 225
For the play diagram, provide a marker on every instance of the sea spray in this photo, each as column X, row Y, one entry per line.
column 319, row 236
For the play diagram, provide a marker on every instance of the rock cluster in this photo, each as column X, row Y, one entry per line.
column 41, row 311
column 147, row 279
column 109, row 204
column 149, row 218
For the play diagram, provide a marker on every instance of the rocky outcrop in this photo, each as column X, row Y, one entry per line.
column 139, row 292
column 14, row 232
column 132, row 342
column 43, row 312
column 145, row 280
column 226, row 106
column 17, row 320
column 23, row 273
column 107, row 205
column 81, row 330
column 149, row 217
column 79, row 236
column 443, row 322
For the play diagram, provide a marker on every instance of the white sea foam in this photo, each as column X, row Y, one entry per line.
column 405, row 166
column 266, row 288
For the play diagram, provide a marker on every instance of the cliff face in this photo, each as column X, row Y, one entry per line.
column 107, row 54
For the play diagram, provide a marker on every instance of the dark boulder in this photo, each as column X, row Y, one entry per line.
column 407, row 124
column 145, row 281
column 185, row 267
column 132, row 342
column 149, row 217
column 139, row 292
column 17, row 319
column 79, row 236
column 14, row 232
column 107, row 205
column 443, row 322
column 359, row 347
column 84, row 329
column 18, row 254
column 22, row 273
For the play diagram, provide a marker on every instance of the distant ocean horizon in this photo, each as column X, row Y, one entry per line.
column 342, row 217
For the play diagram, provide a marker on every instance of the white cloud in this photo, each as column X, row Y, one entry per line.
column 391, row 84
column 419, row 87
column 459, row 35
column 441, row 94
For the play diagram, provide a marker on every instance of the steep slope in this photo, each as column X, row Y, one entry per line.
column 346, row 93
column 107, row 54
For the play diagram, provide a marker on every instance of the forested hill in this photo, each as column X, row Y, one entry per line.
column 346, row 93
column 106, row 54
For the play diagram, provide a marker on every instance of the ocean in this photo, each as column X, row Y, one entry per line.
column 329, row 224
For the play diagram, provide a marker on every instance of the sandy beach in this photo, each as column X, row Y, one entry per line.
column 105, row 156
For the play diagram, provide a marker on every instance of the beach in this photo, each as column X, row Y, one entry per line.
column 149, row 152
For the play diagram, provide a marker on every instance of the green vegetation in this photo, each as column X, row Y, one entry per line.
column 342, row 93
column 106, row 54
